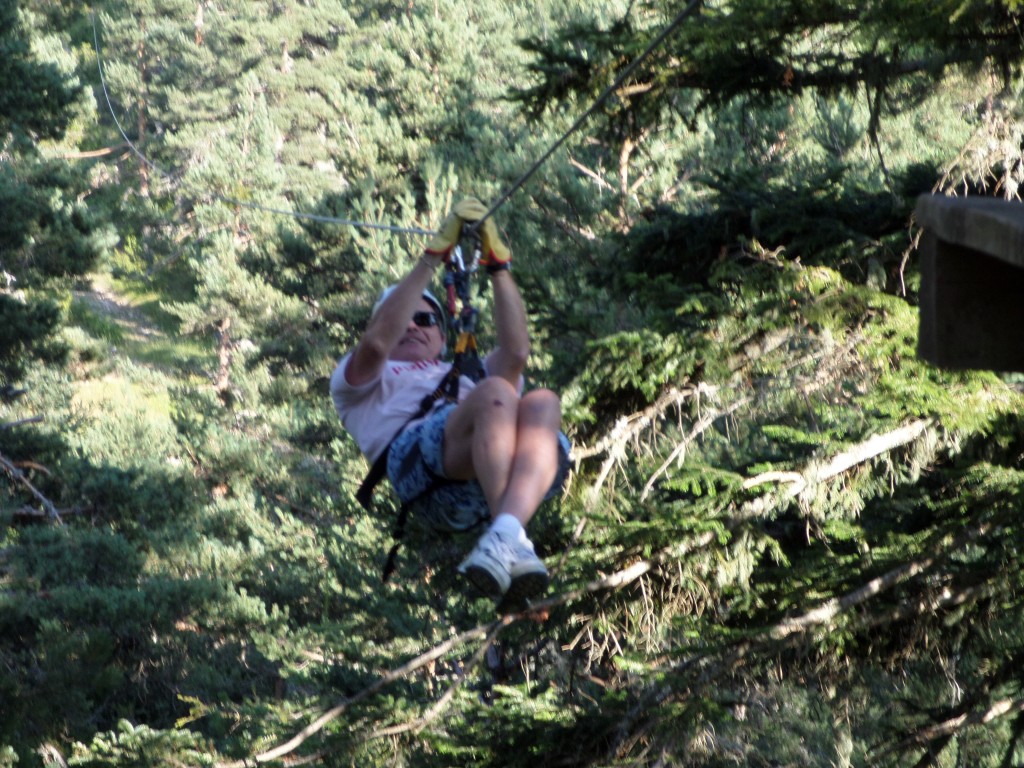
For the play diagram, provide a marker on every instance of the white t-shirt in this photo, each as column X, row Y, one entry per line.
column 374, row 412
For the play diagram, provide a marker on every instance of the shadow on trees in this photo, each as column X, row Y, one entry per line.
column 111, row 615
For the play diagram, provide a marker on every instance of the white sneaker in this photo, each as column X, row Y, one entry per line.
column 499, row 568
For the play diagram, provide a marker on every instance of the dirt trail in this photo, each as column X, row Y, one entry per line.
column 104, row 301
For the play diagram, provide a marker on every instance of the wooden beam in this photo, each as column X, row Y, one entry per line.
column 972, row 282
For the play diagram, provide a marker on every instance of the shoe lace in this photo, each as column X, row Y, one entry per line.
column 501, row 547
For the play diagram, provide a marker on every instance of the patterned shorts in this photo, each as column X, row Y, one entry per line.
column 416, row 459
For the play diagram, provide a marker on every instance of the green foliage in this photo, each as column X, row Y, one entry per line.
column 39, row 93
column 768, row 52
column 141, row 747
column 628, row 369
column 720, row 283
column 46, row 233
column 27, row 328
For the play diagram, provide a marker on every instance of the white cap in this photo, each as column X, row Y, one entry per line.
column 428, row 296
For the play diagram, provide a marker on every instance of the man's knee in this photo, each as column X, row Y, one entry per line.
column 494, row 392
column 543, row 397
column 492, row 401
column 541, row 405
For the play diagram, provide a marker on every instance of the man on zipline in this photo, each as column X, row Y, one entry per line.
column 494, row 455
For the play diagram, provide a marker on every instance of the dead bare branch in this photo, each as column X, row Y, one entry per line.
column 21, row 422
column 396, row 674
column 51, row 511
column 871, row 448
column 702, row 425
column 628, row 428
column 92, row 153
column 798, row 482
column 959, row 723
column 946, row 598
column 439, row 706
column 827, row 611
column 591, row 174
column 31, row 513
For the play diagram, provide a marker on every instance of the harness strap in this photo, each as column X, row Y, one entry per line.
column 377, row 471
column 397, row 535
column 403, row 515
column 379, row 468
column 448, row 388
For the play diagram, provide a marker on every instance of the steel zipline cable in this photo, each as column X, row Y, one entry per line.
column 502, row 199
column 630, row 68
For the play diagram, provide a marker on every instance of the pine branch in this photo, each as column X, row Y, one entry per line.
column 929, row 605
column 434, row 712
column 978, row 709
column 628, row 428
column 790, row 632
column 401, row 672
column 678, row 453
column 783, row 631
column 486, row 631
column 871, row 448
column 830, row 609
column 759, row 347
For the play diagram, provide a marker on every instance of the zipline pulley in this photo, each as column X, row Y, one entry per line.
column 458, row 277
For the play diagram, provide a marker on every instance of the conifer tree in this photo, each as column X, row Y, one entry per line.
column 760, row 50
column 787, row 541
column 232, row 167
column 45, row 233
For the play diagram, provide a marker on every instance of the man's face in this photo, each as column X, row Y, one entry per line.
column 420, row 342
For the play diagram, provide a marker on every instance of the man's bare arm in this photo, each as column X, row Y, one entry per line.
column 387, row 326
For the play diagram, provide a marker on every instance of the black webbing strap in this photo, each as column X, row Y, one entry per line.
column 379, row 468
column 403, row 511
column 448, row 389
column 397, row 534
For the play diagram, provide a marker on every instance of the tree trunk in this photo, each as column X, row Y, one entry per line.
column 224, row 345
column 140, row 105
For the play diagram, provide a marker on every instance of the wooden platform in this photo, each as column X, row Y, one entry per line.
column 972, row 282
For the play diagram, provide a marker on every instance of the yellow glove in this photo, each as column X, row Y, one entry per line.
column 496, row 254
column 446, row 238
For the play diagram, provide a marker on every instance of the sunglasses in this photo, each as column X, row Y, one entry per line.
column 426, row 319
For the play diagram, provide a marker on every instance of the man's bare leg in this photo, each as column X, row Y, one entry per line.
column 510, row 445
